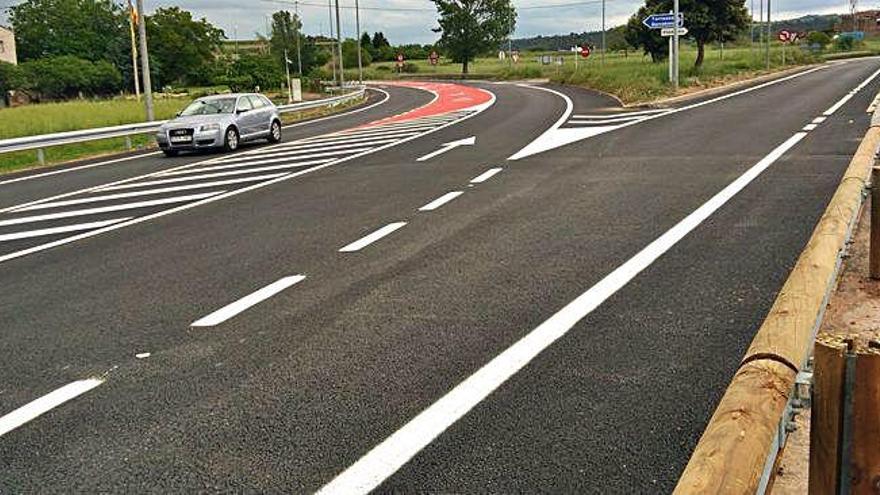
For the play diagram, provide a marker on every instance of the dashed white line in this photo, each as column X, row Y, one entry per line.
column 231, row 310
column 486, row 175
column 442, row 200
column 59, row 230
column 187, row 178
column 46, row 403
column 810, row 127
column 819, row 120
column 371, row 238
column 107, row 209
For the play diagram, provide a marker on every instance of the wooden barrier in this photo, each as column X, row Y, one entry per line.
column 732, row 454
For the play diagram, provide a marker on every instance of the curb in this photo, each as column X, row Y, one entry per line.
column 741, row 441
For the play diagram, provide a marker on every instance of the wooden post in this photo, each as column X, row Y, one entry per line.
column 828, row 368
column 866, row 418
column 875, row 224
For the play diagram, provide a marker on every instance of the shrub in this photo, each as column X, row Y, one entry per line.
column 410, row 68
column 67, row 77
column 818, row 38
column 11, row 77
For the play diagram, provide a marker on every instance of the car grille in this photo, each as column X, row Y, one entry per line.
column 181, row 132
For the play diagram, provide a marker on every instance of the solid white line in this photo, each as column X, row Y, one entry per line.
column 442, row 200
column 386, row 458
column 60, row 230
column 602, row 122
column 150, row 192
column 381, row 132
column 46, row 403
column 369, row 239
column 477, row 110
column 230, row 310
column 76, row 169
column 336, row 138
column 209, row 176
column 619, row 114
column 852, row 93
column 106, row 209
column 305, row 149
column 297, row 160
column 348, row 142
column 488, row 174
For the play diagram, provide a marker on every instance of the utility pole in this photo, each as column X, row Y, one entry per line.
column 675, row 61
column 145, row 61
column 769, row 27
column 604, row 45
column 357, row 21
column 332, row 48
column 299, row 58
column 132, row 20
column 339, row 46
column 752, row 30
column 287, row 72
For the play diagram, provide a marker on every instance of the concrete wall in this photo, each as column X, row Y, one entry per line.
column 7, row 46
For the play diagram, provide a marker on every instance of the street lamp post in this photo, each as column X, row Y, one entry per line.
column 339, row 46
column 357, row 20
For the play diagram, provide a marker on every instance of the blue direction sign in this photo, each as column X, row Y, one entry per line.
column 660, row 21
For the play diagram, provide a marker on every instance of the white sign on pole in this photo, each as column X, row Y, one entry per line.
column 296, row 87
column 671, row 32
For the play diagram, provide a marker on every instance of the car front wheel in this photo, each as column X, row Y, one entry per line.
column 275, row 132
column 231, row 142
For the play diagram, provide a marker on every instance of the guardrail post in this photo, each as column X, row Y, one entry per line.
column 41, row 156
column 127, row 142
column 875, row 223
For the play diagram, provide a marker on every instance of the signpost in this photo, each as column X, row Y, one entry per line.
column 434, row 57
column 788, row 37
column 400, row 60
column 586, row 51
column 670, row 25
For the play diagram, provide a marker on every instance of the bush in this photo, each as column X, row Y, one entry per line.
column 68, row 77
column 845, row 43
column 252, row 71
column 11, row 77
column 410, row 68
column 349, row 55
column 818, row 38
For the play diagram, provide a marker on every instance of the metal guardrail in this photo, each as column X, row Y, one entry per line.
column 42, row 141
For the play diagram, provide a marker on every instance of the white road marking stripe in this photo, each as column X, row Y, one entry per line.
column 335, row 138
column 442, row 200
column 299, row 145
column 619, row 114
column 382, row 132
column 230, row 310
column 292, row 175
column 312, row 147
column 264, row 159
column 369, row 239
column 819, row 120
column 46, row 403
column 488, row 174
column 106, row 209
column 810, row 127
column 602, row 122
column 150, row 192
column 76, row 169
column 298, row 161
column 60, row 230
column 385, row 459
column 855, row 91
column 207, row 176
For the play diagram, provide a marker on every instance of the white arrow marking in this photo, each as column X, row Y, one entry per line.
column 449, row 146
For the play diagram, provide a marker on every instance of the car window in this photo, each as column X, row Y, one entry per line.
column 256, row 102
column 267, row 101
column 209, row 107
column 244, row 103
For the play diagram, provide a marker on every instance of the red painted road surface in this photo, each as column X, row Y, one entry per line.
column 450, row 98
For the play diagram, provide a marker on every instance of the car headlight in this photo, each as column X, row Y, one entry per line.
column 209, row 127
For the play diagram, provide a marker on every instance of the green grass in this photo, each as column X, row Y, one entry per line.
column 632, row 77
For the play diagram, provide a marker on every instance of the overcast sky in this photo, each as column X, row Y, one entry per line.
column 413, row 21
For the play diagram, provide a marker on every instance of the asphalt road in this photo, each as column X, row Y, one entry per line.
column 515, row 337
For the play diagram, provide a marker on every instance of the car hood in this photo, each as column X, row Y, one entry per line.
column 198, row 120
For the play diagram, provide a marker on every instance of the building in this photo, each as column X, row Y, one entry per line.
column 7, row 46
column 867, row 21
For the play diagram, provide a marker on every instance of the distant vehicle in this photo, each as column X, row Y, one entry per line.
column 221, row 121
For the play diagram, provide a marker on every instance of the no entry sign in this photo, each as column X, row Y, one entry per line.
column 586, row 51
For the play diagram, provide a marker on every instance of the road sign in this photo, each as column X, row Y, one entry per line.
column 586, row 51
column 671, row 32
column 435, row 57
column 660, row 21
column 784, row 35
column 400, row 57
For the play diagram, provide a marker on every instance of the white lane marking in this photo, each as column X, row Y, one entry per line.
column 150, row 192
column 305, row 149
column 257, row 160
column 555, row 137
column 810, row 127
column 230, row 310
column 187, row 178
column 46, row 403
column 619, row 114
column 819, row 120
column 602, row 121
column 855, row 91
column 347, row 142
column 76, row 169
column 387, row 96
column 59, row 230
column 442, row 200
column 477, row 110
column 375, row 134
column 488, row 174
column 371, row 238
column 449, row 147
column 107, row 209
column 335, row 138
column 385, row 459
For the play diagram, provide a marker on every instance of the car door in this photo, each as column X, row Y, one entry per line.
column 245, row 117
column 263, row 114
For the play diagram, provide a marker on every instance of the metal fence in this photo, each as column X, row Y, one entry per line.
column 42, row 141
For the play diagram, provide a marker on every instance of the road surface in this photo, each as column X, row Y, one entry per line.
column 556, row 307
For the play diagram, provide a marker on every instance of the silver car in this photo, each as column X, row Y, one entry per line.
column 222, row 121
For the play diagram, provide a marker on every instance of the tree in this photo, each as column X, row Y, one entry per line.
column 818, row 38
column 380, row 41
column 89, row 29
column 471, row 27
column 181, row 48
column 349, row 54
column 707, row 21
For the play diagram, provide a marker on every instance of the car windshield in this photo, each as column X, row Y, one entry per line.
column 210, row 107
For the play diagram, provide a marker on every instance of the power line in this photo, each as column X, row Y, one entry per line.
column 425, row 9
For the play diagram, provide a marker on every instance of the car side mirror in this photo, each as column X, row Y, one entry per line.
column 178, row 114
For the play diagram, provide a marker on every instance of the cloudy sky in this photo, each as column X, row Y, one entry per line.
column 410, row 21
